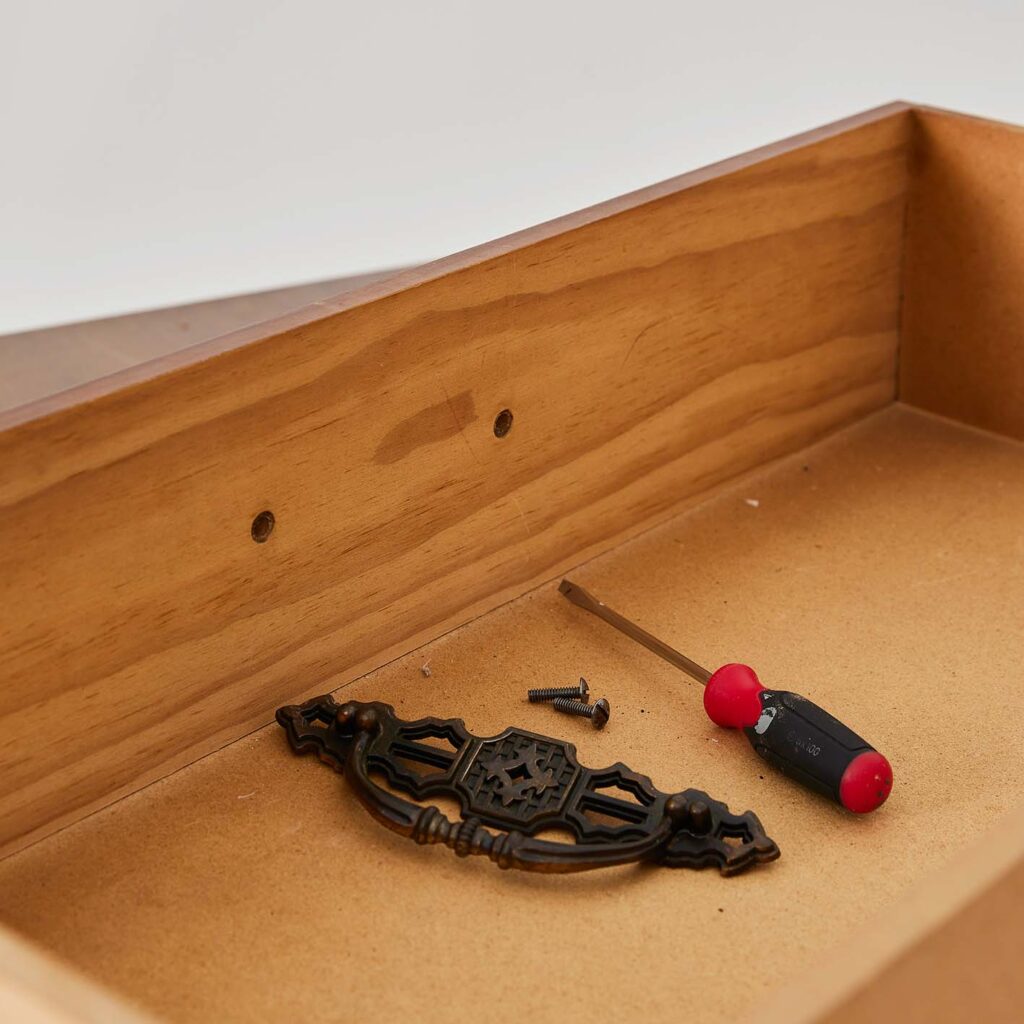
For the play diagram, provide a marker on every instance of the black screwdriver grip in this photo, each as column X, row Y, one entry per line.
column 812, row 747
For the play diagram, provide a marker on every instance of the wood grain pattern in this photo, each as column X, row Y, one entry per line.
column 40, row 364
column 649, row 349
column 963, row 316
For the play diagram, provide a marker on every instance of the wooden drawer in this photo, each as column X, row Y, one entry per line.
column 771, row 409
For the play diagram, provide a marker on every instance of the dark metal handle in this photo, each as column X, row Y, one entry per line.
column 520, row 783
column 469, row 838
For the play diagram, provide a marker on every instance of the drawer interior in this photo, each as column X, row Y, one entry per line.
column 769, row 410
column 878, row 572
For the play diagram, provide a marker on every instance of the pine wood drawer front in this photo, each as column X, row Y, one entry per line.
column 648, row 350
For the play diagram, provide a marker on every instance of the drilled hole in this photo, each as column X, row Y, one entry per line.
column 503, row 423
column 262, row 527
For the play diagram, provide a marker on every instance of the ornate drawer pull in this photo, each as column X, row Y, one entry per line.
column 521, row 783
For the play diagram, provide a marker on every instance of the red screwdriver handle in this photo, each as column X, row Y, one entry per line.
column 799, row 738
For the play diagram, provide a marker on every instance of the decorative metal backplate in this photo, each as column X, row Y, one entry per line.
column 522, row 783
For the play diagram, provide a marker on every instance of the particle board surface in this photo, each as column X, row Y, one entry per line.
column 649, row 350
column 36, row 988
column 967, row 970
column 962, row 919
column 877, row 570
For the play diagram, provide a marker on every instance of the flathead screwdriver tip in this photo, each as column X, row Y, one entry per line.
column 578, row 595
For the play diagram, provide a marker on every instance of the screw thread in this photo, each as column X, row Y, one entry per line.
column 546, row 693
column 573, row 707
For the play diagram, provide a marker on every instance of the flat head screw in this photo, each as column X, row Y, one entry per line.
column 578, row 692
column 599, row 712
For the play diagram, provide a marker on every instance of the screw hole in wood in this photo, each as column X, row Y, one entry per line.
column 503, row 423
column 262, row 527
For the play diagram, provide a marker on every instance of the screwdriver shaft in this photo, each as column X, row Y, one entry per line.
column 587, row 601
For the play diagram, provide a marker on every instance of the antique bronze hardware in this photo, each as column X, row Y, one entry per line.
column 519, row 782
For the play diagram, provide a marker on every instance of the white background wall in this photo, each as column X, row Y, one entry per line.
column 156, row 152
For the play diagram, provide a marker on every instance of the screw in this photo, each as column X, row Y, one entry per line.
column 599, row 712
column 579, row 692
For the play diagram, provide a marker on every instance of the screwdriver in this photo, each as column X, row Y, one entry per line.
column 791, row 733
